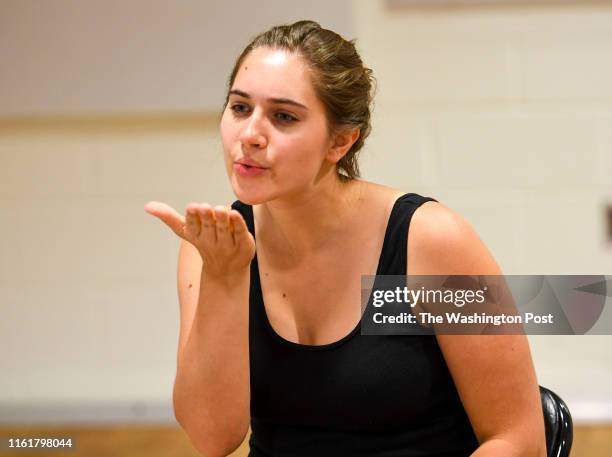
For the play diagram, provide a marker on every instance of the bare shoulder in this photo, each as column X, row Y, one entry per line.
column 494, row 374
column 441, row 241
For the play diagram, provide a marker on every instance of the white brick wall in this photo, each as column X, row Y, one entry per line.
column 87, row 278
column 505, row 115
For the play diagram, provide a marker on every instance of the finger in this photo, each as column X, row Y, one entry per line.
column 168, row 216
column 223, row 226
column 207, row 220
column 192, row 224
column 239, row 226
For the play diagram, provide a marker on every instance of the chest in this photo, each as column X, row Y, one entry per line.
column 367, row 382
column 318, row 301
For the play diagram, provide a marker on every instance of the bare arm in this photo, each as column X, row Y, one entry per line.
column 212, row 390
column 494, row 374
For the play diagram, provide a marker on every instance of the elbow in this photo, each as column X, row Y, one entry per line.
column 207, row 448
column 514, row 446
column 207, row 438
column 531, row 448
column 538, row 448
column 210, row 449
column 210, row 443
column 216, row 446
column 525, row 438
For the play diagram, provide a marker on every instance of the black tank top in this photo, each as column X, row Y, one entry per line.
column 363, row 395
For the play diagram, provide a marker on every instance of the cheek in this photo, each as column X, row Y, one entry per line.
column 297, row 157
column 227, row 134
column 226, row 129
column 312, row 146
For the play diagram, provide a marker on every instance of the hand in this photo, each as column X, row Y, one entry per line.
column 220, row 234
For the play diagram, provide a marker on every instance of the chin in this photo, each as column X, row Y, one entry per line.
column 253, row 196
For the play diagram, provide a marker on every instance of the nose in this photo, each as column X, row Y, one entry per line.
column 254, row 134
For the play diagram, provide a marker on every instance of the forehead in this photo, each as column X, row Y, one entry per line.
column 267, row 72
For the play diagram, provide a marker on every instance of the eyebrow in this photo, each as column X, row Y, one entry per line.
column 285, row 101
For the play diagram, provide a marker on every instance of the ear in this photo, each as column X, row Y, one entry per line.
column 342, row 140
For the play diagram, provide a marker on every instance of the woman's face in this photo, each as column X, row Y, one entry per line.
column 274, row 120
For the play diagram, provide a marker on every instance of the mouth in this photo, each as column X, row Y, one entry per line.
column 250, row 166
column 248, row 170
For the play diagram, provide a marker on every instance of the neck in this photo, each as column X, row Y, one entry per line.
column 299, row 225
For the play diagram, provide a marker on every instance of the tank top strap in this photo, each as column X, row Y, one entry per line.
column 393, row 258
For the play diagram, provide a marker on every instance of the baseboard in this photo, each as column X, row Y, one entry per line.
column 140, row 412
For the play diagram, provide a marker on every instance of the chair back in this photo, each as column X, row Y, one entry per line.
column 558, row 424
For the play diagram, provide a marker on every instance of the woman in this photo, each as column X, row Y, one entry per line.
column 272, row 340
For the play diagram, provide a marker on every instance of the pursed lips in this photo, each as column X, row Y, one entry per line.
column 250, row 163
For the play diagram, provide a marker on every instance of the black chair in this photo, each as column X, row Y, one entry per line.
column 558, row 424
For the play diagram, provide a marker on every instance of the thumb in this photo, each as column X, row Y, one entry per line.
column 168, row 216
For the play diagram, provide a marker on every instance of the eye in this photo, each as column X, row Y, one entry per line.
column 285, row 117
column 239, row 108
